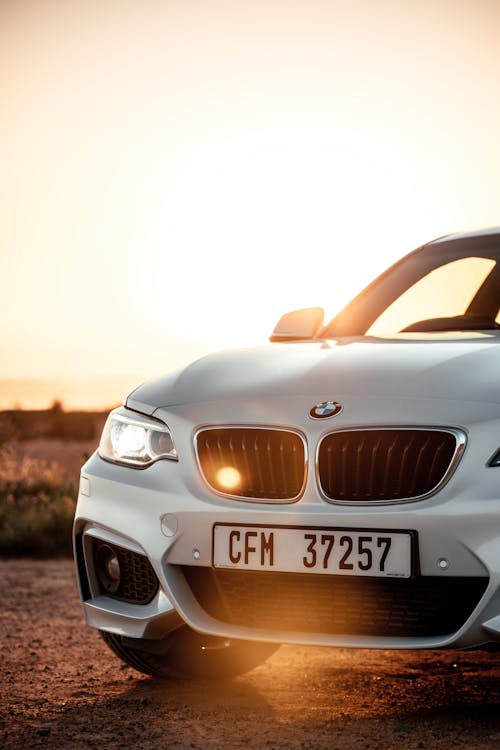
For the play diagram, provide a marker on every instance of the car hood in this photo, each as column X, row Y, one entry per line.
column 412, row 365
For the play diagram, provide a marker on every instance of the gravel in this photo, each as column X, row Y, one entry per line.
column 60, row 687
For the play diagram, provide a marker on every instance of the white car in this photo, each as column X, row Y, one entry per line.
column 339, row 486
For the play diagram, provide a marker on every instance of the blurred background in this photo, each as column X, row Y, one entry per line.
column 176, row 174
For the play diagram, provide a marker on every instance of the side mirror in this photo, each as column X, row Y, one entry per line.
column 299, row 325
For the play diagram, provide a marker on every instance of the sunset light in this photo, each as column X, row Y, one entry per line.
column 249, row 374
column 177, row 175
column 228, row 478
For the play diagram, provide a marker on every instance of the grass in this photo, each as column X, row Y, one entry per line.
column 37, row 505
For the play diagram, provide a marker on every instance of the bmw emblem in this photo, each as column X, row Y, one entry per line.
column 325, row 409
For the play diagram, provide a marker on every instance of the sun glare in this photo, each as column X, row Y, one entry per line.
column 228, row 478
column 257, row 237
column 212, row 170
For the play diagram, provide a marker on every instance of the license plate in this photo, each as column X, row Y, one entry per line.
column 332, row 551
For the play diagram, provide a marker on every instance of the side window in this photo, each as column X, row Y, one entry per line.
column 445, row 292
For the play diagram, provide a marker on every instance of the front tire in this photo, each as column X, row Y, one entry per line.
column 186, row 653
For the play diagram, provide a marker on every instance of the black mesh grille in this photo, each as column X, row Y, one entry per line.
column 338, row 605
column 269, row 464
column 138, row 582
column 378, row 465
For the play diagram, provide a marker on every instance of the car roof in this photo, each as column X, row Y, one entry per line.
column 489, row 232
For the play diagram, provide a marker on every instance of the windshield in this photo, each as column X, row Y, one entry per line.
column 449, row 286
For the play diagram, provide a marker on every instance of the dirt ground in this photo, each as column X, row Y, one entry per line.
column 61, row 688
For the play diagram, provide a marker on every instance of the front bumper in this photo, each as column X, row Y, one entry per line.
column 169, row 518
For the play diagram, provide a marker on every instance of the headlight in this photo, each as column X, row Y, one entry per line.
column 135, row 440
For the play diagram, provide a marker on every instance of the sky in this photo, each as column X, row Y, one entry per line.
column 176, row 174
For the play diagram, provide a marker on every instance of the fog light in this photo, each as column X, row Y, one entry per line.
column 108, row 568
column 113, row 568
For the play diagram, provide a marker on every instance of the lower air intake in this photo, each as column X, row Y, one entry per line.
column 424, row 606
column 138, row 583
